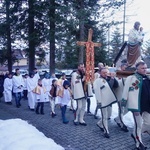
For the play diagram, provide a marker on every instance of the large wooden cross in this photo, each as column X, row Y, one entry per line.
column 89, row 56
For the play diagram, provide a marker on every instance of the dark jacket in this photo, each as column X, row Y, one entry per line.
column 145, row 95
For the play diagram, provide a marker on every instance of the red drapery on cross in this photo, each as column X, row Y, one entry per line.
column 89, row 56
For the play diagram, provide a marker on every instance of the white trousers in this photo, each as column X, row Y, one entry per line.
column 137, row 128
column 80, row 111
column 109, row 109
column 121, row 112
column 142, row 124
column 146, row 122
column 52, row 104
column 103, row 122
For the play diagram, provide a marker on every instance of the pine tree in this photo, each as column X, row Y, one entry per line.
column 115, row 44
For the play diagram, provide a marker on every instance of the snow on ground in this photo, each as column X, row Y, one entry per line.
column 16, row 134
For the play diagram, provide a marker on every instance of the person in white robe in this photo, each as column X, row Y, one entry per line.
column 47, row 84
column 36, row 75
column 77, row 85
column 105, row 97
column 31, row 84
column 17, row 87
column 8, row 85
column 40, row 91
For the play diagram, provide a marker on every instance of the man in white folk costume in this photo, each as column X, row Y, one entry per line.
column 105, row 97
column 8, row 89
column 31, row 85
column 77, row 85
column 136, row 96
column 97, row 73
column 17, row 87
column 118, row 91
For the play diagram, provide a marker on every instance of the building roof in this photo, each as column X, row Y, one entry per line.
column 17, row 53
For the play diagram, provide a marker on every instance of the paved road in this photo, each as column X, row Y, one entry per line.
column 69, row 136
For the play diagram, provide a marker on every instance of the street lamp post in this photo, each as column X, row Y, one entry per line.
column 124, row 20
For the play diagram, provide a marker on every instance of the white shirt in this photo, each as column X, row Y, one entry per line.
column 17, row 83
column 66, row 97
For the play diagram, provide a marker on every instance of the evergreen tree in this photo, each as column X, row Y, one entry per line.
column 115, row 44
column 59, row 24
column 146, row 53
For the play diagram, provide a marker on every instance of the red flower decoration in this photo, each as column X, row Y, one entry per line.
column 136, row 81
column 133, row 84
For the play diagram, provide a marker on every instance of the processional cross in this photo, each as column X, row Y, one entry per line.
column 89, row 73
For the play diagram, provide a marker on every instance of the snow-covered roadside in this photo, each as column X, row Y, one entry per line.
column 16, row 134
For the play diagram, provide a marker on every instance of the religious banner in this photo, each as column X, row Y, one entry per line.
column 89, row 73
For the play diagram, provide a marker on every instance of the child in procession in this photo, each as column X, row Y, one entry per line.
column 53, row 95
column 40, row 97
column 65, row 97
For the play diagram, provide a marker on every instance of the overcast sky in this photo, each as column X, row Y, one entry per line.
column 138, row 11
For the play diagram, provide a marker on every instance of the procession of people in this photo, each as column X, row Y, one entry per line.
column 131, row 93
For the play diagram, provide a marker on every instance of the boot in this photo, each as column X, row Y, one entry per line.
column 53, row 115
column 106, row 135
column 124, row 128
column 141, row 147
